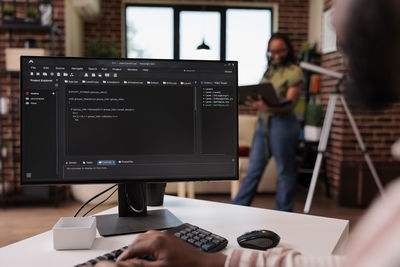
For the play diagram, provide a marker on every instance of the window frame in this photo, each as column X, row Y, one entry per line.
column 214, row 6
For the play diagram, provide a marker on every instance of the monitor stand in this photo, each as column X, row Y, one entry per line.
column 133, row 216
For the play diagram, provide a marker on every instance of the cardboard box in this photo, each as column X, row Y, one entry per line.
column 13, row 56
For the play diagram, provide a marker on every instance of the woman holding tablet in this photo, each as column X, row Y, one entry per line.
column 278, row 130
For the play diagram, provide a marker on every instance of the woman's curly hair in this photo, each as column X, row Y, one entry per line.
column 371, row 42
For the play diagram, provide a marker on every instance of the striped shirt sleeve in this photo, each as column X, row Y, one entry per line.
column 278, row 257
column 375, row 241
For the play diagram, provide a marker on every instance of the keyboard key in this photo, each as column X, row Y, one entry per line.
column 190, row 235
column 93, row 262
column 204, row 241
column 216, row 241
column 193, row 227
column 109, row 256
column 204, row 232
column 179, row 234
column 206, row 247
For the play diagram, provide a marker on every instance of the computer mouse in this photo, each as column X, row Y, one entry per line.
column 259, row 239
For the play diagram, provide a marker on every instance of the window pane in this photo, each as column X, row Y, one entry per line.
column 196, row 26
column 247, row 35
column 149, row 32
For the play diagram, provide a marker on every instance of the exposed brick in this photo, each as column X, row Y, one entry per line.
column 9, row 86
column 379, row 129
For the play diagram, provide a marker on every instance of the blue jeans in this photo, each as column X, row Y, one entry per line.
column 283, row 137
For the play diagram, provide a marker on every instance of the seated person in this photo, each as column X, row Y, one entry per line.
column 371, row 40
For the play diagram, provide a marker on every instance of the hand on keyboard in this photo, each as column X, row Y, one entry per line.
column 168, row 250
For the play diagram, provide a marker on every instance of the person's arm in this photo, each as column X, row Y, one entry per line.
column 293, row 94
column 167, row 250
column 279, row 257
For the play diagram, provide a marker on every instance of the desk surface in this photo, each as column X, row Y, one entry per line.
column 311, row 235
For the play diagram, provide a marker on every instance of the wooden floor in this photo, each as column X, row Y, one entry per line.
column 20, row 222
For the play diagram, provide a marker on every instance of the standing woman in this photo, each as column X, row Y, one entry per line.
column 278, row 129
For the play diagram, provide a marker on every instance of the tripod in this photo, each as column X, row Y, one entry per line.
column 323, row 141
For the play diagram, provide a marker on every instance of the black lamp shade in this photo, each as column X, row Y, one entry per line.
column 203, row 45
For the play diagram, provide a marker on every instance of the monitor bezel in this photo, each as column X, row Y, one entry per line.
column 154, row 179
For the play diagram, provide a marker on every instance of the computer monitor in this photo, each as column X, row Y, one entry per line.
column 130, row 122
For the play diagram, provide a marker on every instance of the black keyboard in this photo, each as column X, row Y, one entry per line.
column 111, row 256
column 198, row 237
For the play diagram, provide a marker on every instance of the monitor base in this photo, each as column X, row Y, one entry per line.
column 113, row 224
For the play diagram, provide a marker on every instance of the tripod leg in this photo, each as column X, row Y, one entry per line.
column 327, row 186
column 323, row 141
column 313, row 183
column 362, row 146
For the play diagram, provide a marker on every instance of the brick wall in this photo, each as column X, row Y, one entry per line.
column 378, row 129
column 9, row 85
column 109, row 27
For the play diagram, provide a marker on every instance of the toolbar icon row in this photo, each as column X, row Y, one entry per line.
column 65, row 74
column 93, row 75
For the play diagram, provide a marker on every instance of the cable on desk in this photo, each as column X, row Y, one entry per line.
column 96, row 196
column 98, row 204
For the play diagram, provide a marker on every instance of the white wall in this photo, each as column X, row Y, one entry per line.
column 74, row 43
column 315, row 22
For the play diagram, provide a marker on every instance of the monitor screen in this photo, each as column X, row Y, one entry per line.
column 117, row 120
column 130, row 122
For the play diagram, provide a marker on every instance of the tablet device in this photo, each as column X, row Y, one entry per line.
column 267, row 91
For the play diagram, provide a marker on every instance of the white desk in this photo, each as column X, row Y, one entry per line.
column 311, row 235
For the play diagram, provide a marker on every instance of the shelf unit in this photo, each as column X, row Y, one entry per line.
column 23, row 27
column 13, row 114
column 309, row 149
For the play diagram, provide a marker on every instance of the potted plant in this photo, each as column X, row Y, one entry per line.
column 101, row 49
column 8, row 13
column 309, row 53
column 31, row 15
